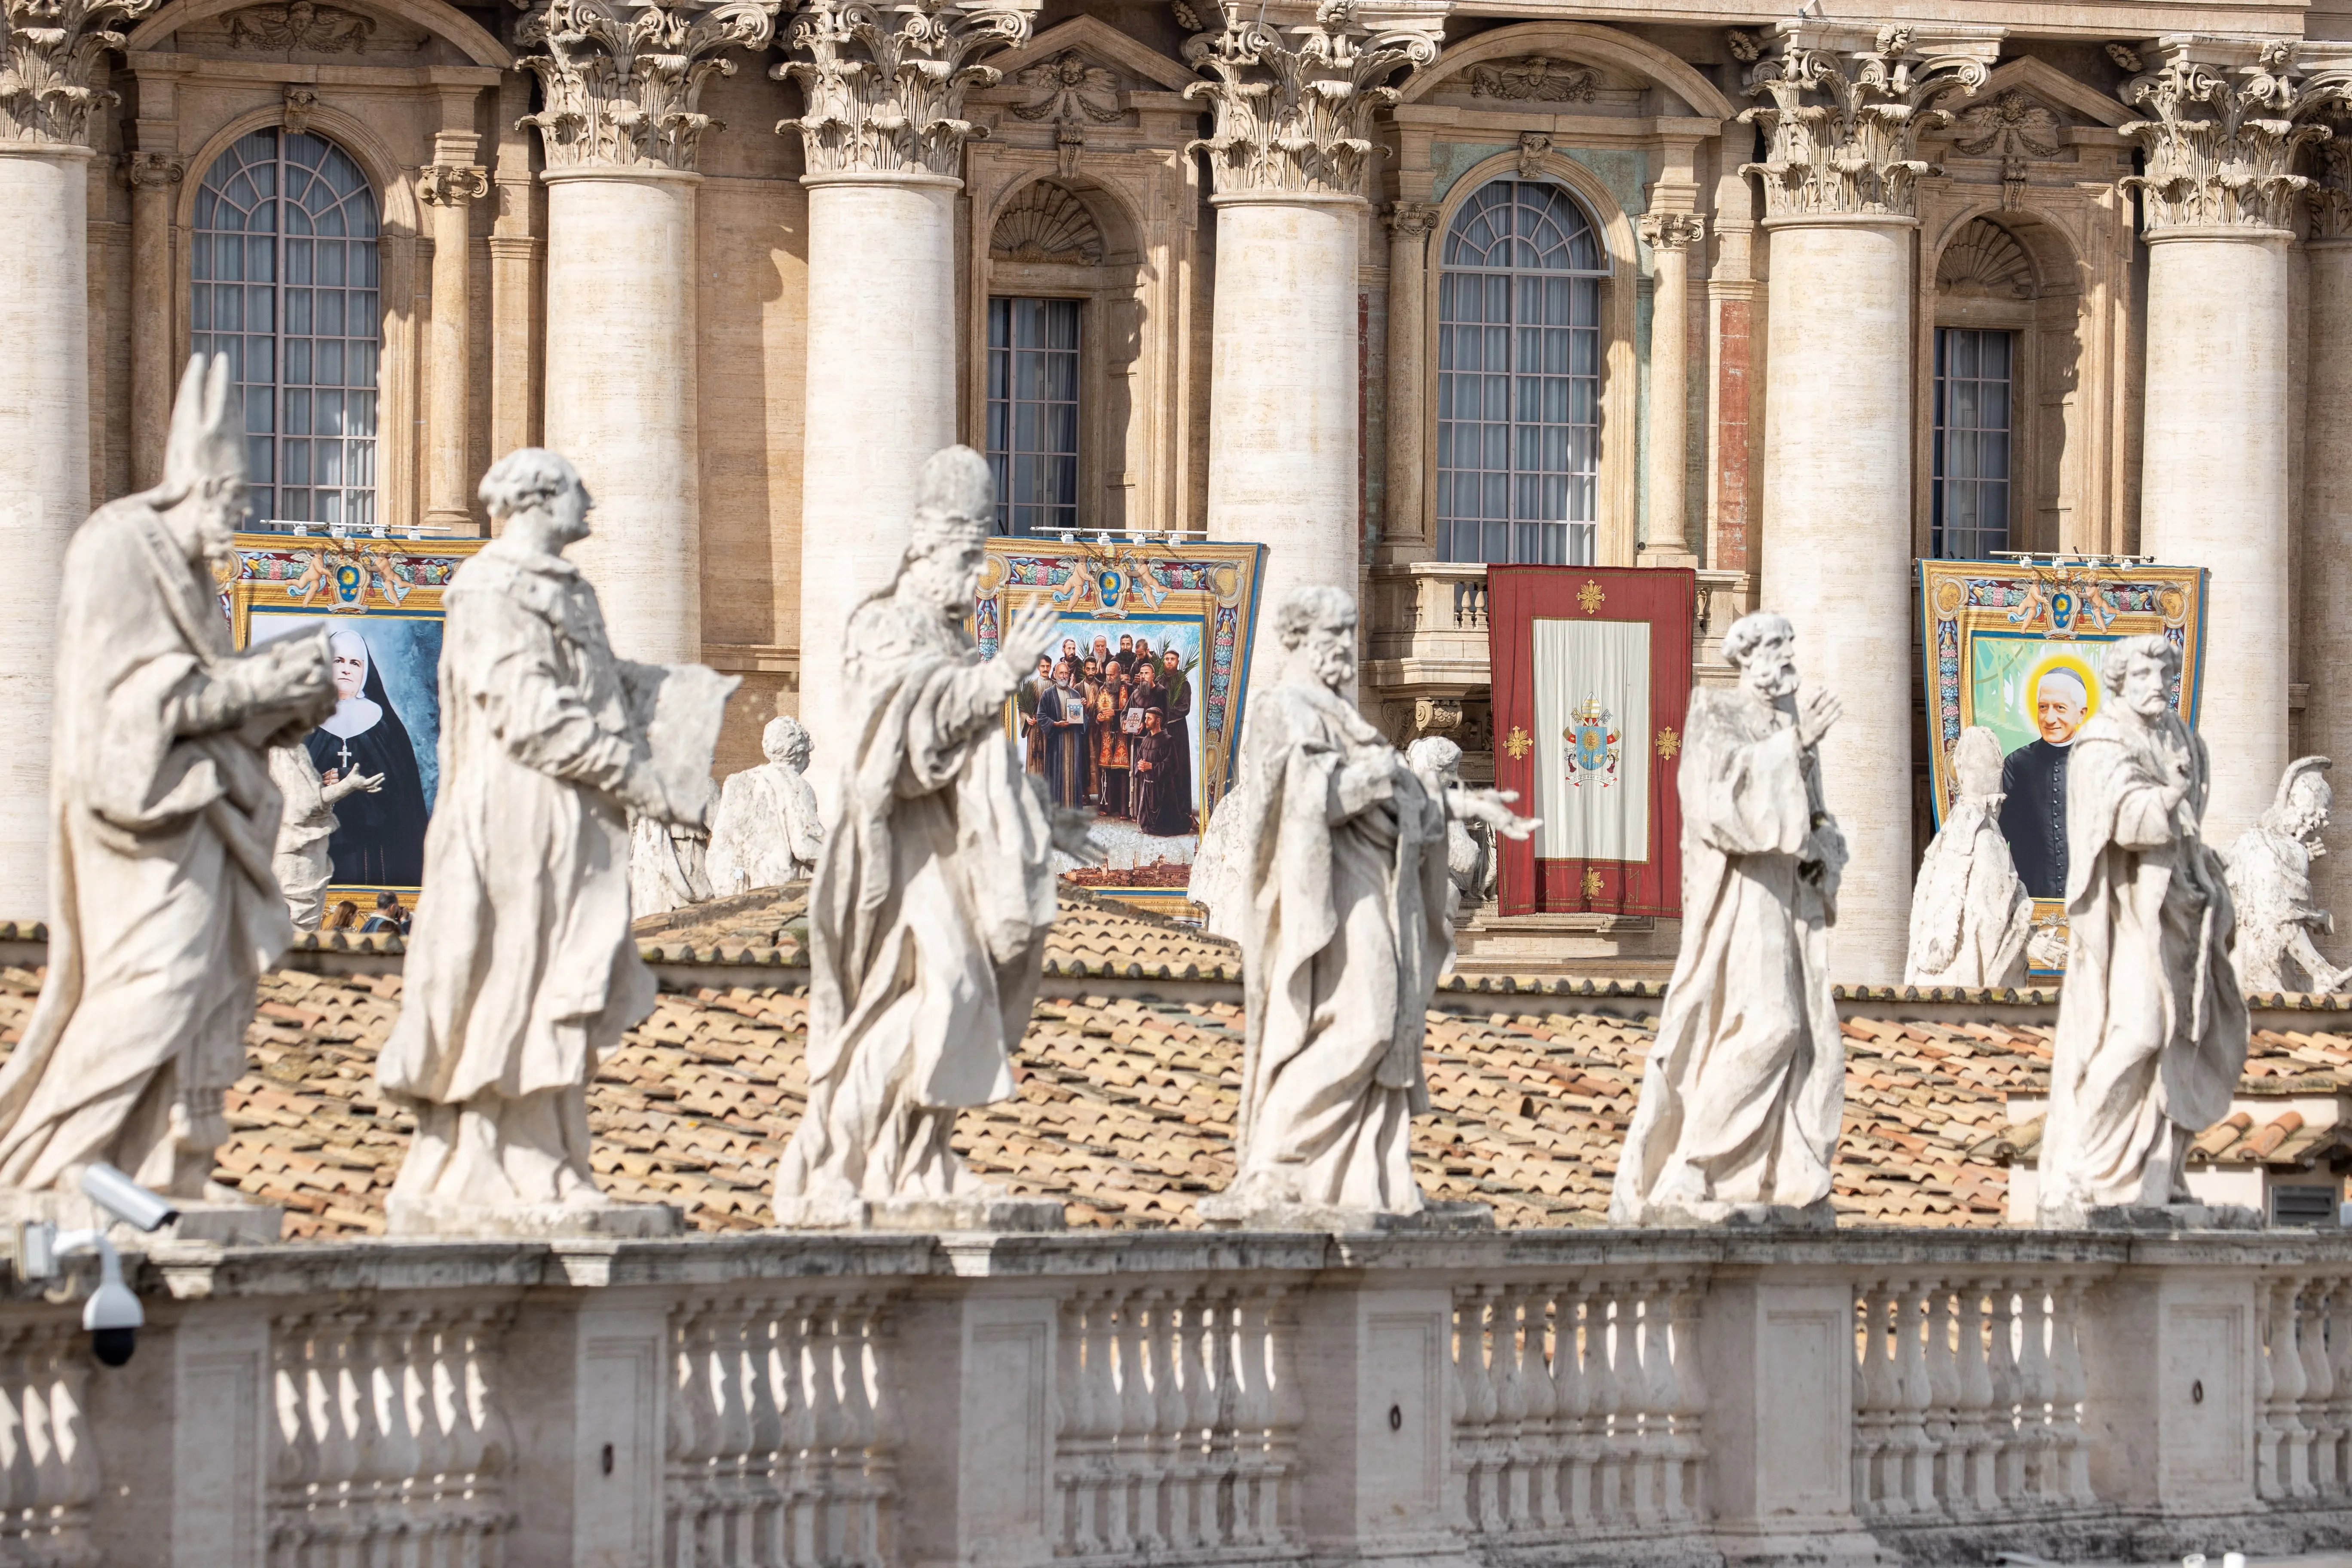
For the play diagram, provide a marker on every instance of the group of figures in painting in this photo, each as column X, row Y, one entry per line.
column 1110, row 729
column 1332, row 862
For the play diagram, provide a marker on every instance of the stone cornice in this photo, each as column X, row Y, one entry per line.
column 885, row 88
column 45, row 57
column 1842, row 122
column 622, row 83
column 1295, row 116
column 2222, row 134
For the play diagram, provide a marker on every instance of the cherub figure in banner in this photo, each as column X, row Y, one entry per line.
column 1593, row 746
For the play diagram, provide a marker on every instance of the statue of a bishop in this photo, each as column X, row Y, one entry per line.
column 1971, row 914
column 521, row 971
column 163, row 820
column 2152, row 1028
column 1336, row 879
column 933, row 891
column 1742, row 1094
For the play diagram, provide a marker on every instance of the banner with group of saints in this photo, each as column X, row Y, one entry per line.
column 2016, row 647
column 1134, row 713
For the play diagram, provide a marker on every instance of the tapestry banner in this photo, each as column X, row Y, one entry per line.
column 1591, row 679
column 1144, row 737
column 381, row 601
column 2016, row 646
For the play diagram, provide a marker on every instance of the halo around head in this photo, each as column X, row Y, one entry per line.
column 2071, row 664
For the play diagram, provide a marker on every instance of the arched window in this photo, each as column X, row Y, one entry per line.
column 1519, row 378
column 284, row 283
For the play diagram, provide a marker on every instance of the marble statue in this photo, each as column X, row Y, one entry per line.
column 1741, row 1096
column 521, row 971
column 2270, row 883
column 767, row 831
column 669, row 861
column 2152, row 1026
column 302, row 863
column 1345, row 904
column 1971, row 914
column 932, row 894
column 1469, row 842
column 163, row 821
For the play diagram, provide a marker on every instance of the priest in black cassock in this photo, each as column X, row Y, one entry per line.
column 2034, row 785
column 1061, row 715
column 379, row 841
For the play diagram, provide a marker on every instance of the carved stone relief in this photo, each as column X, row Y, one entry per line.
column 1295, row 115
column 885, row 89
column 2013, row 128
column 1046, row 222
column 320, row 29
column 2331, row 185
column 300, row 104
column 1536, row 77
column 1985, row 262
column 2219, row 140
column 1843, row 129
column 45, row 65
column 1069, row 90
column 622, row 83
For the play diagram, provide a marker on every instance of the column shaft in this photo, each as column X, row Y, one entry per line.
column 1408, row 461
column 881, row 398
column 1837, row 543
column 44, row 489
column 450, row 192
column 152, row 181
column 1283, row 393
column 1669, row 400
column 2326, row 566
column 621, row 394
column 2213, row 486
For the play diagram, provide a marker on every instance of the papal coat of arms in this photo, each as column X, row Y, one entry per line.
column 1593, row 745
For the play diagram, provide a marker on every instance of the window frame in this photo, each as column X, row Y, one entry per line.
column 1078, row 402
column 1939, row 429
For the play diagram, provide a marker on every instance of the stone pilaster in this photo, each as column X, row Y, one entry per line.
column 882, row 143
column 2324, row 568
column 152, row 177
column 1671, row 237
column 622, row 127
column 2218, row 195
column 1843, row 113
column 448, row 192
column 1405, row 533
column 1288, row 149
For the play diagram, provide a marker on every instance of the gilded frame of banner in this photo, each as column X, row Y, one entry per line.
column 390, row 590
column 1994, row 627
column 1200, row 593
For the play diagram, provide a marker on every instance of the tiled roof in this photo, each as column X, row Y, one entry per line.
column 1126, row 1102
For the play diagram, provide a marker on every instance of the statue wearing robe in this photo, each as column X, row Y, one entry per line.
column 1971, row 914
column 767, row 830
column 303, row 863
column 1743, row 1092
column 163, row 823
column 2152, row 1027
column 2270, row 884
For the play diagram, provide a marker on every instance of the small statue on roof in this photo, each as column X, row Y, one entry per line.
column 2270, row 880
column 767, row 830
column 1971, row 914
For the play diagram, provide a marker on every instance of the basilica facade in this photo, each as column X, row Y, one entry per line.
column 1397, row 290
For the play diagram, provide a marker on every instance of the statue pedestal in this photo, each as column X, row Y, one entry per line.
column 821, row 1212
column 443, row 1216
column 223, row 1219
column 2165, row 1220
column 1700, row 1214
column 1227, row 1211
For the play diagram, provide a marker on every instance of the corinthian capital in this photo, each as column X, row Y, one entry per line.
column 885, row 88
column 1670, row 231
column 1295, row 116
column 154, row 171
column 2222, row 134
column 1843, row 124
column 622, row 82
column 45, row 66
column 451, row 184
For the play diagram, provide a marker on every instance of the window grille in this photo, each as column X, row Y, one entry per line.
column 1033, row 413
column 2302, row 1206
column 1519, row 378
column 1973, row 408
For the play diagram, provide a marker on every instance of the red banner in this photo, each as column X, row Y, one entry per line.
column 1593, row 679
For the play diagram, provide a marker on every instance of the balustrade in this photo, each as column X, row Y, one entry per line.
column 49, row 1471
column 2303, row 1428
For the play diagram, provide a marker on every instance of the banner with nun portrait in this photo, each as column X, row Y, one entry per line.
column 380, row 600
column 2016, row 647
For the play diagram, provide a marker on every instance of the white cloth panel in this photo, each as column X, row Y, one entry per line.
column 1600, row 816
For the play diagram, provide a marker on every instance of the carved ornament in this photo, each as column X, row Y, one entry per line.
column 1412, row 219
column 1843, row 129
column 2219, row 140
column 1046, row 222
column 44, row 66
column 2014, row 129
column 622, row 83
column 1537, row 78
column 2331, row 186
column 299, row 25
column 1295, row 115
column 1670, row 231
column 1985, row 262
column 300, row 104
column 154, row 171
column 885, row 88
column 451, row 184
column 1534, row 145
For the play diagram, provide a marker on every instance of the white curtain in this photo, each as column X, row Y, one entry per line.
column 1589, row 810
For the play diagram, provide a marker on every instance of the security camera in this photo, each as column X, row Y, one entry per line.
column 112, row 1314
column 125, row 1199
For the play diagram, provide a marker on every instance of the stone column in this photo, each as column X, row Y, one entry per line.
column 45, row 104
column 449, row 190
column 1842, row 116
column 152, row 177
column 2218, row 205
column 621, row 83
column 882, row 143
column 1671, row 235
column 2326, row 571
column 1408, row 460
column 1288, row 156
column 515, row 254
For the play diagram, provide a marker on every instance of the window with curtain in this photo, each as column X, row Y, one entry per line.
column 1519, row 378
column 1033, row 413
column 284, row 275
column 1970, row 511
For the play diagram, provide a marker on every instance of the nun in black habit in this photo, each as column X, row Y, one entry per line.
column 380, row 839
